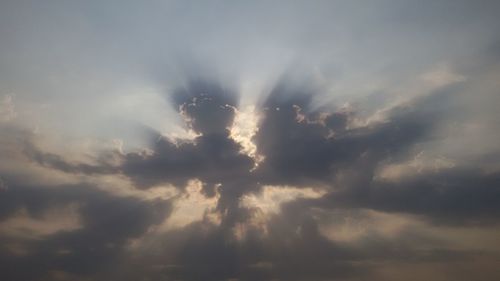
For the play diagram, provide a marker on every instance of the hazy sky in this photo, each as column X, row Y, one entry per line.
column 249, row 140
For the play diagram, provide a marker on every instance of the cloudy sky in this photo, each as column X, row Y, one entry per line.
column 249, row 140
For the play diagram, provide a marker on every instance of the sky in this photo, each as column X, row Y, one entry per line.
column 249, row 140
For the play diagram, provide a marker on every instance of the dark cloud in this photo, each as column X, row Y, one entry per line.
column 303, row 146
column 212, row 156
column 376, row 155
column 107, row 224
column 450, row 196
column 57, row 162
column 205, row 252
column 292, row 249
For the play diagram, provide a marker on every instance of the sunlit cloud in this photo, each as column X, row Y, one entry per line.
column 244, row 127
column 270, row 198
column 191, row 206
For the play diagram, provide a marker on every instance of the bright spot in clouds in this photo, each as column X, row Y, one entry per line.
column 271, row 197
column 245, row 126
column 192, row 206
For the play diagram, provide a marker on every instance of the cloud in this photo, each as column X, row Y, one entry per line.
column 323, row 140
column 302, row 144
column 330, row 194
column 21, row 225
column 58, row 241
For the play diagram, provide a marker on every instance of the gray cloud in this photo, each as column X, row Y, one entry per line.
column 107, row 224
column 375, row 140
column 302, row 147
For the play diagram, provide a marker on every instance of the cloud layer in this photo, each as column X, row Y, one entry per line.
column 236, row 141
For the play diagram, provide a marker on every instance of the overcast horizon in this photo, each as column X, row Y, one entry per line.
column 249, row 140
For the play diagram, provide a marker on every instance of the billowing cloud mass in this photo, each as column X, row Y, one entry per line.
column 238, row 140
